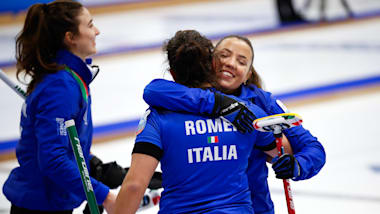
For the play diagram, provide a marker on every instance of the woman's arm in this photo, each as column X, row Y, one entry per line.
column 135, row 183
column 176, row 97
column 287, row 148
column 55, row 160
column 308, row 151
column 109, row 202
column 306, row 148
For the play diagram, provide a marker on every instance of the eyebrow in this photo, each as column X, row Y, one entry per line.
column 226, row 49
column 242, row 57
column 239, row 56
column 229, row 51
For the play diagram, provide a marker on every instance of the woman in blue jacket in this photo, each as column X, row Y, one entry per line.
column 233, row 58
column 51, row 49
column 203, row 160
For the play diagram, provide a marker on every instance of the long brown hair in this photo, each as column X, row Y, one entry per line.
column 42, row 36
column 254, row 77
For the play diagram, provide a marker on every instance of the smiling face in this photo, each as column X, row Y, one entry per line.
column 83, row 44
column 232, row 62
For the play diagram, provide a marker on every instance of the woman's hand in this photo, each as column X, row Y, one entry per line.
column 235, row 112
column 109, row 202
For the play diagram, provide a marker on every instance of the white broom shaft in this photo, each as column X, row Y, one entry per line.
column 11, row 84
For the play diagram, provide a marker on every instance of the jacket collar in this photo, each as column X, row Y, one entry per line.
column 75, row 63
column 248, row 92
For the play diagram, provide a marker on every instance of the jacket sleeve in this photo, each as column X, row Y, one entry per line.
column 55, row 156
column 308, row 151
column 176, row 97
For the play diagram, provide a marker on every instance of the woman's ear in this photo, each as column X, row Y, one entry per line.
column 173, row 74
column 215, row 62
column 249, row 74
column 69, row 39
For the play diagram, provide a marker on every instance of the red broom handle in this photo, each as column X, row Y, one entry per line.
column 287, row 189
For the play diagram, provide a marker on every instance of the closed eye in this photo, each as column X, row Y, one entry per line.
column 90, row 23
column 242, row 63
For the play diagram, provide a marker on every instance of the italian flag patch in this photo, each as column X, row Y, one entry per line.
column 212, row 139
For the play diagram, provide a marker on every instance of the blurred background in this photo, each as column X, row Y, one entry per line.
column 321, row 58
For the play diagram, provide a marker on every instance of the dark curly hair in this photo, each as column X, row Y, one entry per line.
column 190, row 58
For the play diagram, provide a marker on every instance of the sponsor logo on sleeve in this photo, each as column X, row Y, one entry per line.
column 61, row 128
column 142, row 122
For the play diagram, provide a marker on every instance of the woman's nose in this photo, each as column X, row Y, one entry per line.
column 230, row 62
column 97, row 32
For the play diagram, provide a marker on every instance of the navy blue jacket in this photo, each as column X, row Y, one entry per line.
column 48, row 177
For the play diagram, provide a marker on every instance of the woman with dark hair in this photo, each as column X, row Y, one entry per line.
column 52, row 48
column 233, row 60
column 203, row 160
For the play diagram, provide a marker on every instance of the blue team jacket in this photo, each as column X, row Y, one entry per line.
column 48, row 177
column 308, row 150
column 204, row 161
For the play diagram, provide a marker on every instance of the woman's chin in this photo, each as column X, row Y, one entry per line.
column 227, row 86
